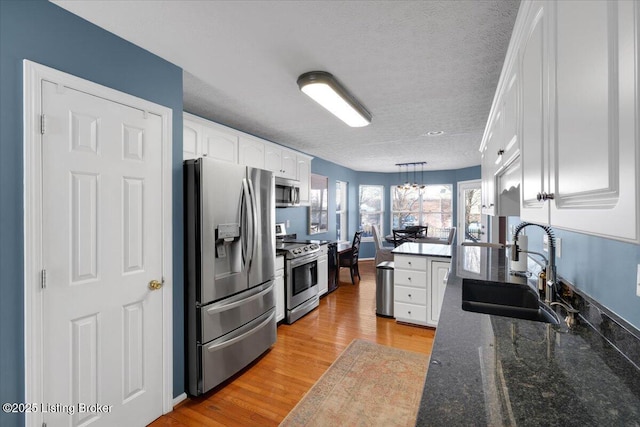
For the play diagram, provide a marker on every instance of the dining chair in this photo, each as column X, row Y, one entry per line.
column 382, row 253
column 350, row 258
column 400, row 237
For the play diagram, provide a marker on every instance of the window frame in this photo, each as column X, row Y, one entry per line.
column 379, row 213
column 422, row 214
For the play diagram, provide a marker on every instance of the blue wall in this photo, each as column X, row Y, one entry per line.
column 47, row 34
column 298, row 217
column 603, row 269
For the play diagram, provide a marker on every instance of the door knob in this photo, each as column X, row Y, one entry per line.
column 154, row 285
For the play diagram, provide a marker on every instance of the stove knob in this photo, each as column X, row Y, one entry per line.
column 306, row 249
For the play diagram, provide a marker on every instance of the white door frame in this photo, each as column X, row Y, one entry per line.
column 460, row 221
column 33, row 75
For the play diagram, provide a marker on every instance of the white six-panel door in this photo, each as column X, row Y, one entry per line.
column 102, row 247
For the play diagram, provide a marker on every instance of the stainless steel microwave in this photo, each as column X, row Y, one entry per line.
column 287, row 192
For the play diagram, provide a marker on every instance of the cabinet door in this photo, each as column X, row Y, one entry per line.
column 219, row 144
column 323, row 275
column 509, row 147
column 487, row 171
column 289, row 164
column 439, row 275
column 273, row 159
column 251, row 152
column 593, row 155
column 190, row 140
column 279, row 290
column 533, row 137
column 304, row 176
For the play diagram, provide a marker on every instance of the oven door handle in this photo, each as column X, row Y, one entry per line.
column 297, row 262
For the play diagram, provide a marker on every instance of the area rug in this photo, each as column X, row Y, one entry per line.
column 368, row 385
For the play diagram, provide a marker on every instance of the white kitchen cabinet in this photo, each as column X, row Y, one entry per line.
column 304, row 176
column 202, row 137
column 593, row 143
column 487, row 173
column 251, row 152
column 574, row 66
column 580, row 166
column 279, row 288
column 323, row 271
column 280, row 161
column 534, row 106
column 439, row 277
column 419, row 283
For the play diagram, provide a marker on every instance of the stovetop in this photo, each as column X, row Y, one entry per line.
column 296, row 249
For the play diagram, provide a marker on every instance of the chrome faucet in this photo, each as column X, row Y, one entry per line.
column 550, row 267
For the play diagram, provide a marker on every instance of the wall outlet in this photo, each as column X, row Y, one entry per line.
column 638, row 281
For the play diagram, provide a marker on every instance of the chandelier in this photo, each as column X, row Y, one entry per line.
column 407, row 183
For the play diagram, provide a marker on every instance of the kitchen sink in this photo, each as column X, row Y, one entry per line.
column 505, row 299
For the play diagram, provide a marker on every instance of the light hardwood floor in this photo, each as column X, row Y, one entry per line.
column 265, row 392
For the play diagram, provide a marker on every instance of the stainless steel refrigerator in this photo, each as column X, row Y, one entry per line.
column 229, row 269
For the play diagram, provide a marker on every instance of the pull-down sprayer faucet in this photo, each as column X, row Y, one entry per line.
column 550, row 287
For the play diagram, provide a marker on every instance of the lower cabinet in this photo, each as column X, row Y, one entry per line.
column 419, row 283
column 323, row 271
column 279, row 288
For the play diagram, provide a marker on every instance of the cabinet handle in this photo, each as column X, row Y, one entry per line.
column 409, row 262
column 409, row 278
column 409, row 295
column 544, row 196
column 500, row 152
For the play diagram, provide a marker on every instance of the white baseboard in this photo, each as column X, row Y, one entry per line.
column 179, row 398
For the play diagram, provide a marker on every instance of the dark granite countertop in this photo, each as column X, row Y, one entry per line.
column 490, row 370
column 423, row 249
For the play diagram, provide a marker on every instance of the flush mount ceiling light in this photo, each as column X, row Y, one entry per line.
column 434, row 133
column 323, row 88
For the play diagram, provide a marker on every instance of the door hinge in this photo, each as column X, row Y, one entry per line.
column 43, row 279
column 43, row 123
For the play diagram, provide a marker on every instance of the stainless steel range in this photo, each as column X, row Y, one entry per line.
column 301, row 278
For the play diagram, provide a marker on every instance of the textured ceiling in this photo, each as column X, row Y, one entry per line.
column 417, row 66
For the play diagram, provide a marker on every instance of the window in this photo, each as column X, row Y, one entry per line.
column 431, row 206
column 319, row 209
column 371, row 209
column 341, row 211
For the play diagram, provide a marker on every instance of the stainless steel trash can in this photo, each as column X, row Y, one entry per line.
column 384, row 289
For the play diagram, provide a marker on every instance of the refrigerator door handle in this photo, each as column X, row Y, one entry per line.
column 254, row 222
column 219, row 346
column 234, row 304
column 244, row 235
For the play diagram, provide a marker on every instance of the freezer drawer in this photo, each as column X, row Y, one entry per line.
column 224, row 316
column 227, row 355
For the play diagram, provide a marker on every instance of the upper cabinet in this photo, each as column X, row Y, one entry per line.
column 205, row 138
column 281, row 162
column 252, row 152
column 575, row 67
column 304, row 176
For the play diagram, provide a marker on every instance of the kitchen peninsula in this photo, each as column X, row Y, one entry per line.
column 493, row 370
column 420, row 276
